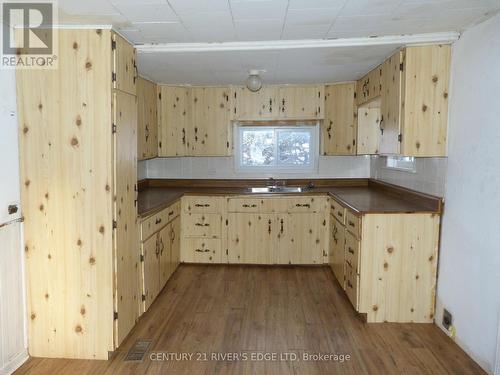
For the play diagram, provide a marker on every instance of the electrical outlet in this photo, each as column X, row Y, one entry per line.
column 447, row 319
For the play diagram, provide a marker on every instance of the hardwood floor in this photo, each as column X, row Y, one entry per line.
column 251, row 309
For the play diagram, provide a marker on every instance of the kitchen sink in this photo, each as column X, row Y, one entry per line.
column 278, row 189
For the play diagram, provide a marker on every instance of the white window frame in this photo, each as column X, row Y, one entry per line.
column 313, row 146
column 395, row 162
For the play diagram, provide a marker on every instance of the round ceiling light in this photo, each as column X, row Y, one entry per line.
column 254, row 82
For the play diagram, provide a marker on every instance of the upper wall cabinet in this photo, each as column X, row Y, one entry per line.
column 209, row 132
column 338, row 130
column 125, row 73
column 174, row 120
column 147, row 122
column 413, row 101
column 278, row 103
column 368, row 87
column 194, row 121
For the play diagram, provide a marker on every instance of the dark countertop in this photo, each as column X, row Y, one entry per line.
column 369, row 197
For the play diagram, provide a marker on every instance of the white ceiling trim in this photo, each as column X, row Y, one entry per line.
column 274, row 45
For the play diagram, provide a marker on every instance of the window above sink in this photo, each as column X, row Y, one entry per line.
column 281, row 148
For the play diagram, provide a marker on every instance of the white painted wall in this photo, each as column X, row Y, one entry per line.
column 469, row 266
column 13, row 346
column 429, row 177
column 223, row 167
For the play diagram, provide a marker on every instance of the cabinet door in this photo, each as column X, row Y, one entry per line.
column 368, row 130
column 252, row 238
column 175, row 243
column 337, row 259
column 165, row 250
column 125, row 67
column 425, row 115
column 150, row 270
column 301, row 102
column 126, row 243
column 391, row 104
column 147, row 121
column 174, row 120
column 258, row 105
column 338, row 130
column 211, row 126
column 300, row 238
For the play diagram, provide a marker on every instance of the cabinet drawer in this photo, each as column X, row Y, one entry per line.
column 352, row 246
column 202, row 250
column 173, row 211
column 201, row 225
column 201, row 204
column 153, row 224
column 337, row 210
column 352, row 286
column 353, row 223
column 299, row 204
column 246, row 204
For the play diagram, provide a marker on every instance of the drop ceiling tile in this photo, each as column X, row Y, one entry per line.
column 206, row 20
column 87, row 7
column 305, row 32
column 265, row 29
column 147, row 12
column 369, row 7
column 248, row 10
column 132, row 35
column 309, row 4
column 311, row 17
column 164, row 32
column 363, row 26
column 196, row 6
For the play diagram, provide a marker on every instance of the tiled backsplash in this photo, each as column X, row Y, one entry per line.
column 429, row 177
column 223, row 167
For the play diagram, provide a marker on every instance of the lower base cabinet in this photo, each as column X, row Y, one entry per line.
column 160, row 254
column 386, row 263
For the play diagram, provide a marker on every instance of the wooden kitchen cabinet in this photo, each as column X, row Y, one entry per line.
column 210, row 131
column 301, row 102
column 369, row 86
column 260, row 105
column 368, row 128
column 387, row 263
column 415, row 101
column 174, row 118
column 304, row 102
column 147, row 120
column 338, row 130
column 160, row 246
column 81, row 245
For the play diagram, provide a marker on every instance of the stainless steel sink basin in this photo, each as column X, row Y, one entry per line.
column 278, row 189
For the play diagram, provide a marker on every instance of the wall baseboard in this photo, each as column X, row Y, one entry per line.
column 15, row 363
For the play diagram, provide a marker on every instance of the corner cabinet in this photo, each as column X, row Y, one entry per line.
column 283, row 102
column 147, row 121
column 412, row 100
column 78, row 152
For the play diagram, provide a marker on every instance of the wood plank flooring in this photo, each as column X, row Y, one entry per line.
column 251, row 309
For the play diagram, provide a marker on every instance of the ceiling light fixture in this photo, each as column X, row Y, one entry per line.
column 254, row 82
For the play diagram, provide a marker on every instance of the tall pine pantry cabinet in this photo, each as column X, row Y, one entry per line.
column 78, row 150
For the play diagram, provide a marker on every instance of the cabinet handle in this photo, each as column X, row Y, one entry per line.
column 157, row 250
column 170, row 213
column 340, row 214
column 250, row 205
column 202, row 205
column 351, row 223
column 158, row 221
column 348, row 263
column 303, row 205
column 202, row 224
column 269, row 227
column 349, row 284
column 202, row 250
column 147, row 133
column 349, row 249
column 183, row 136
column 162, row 246
column 281, row 229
